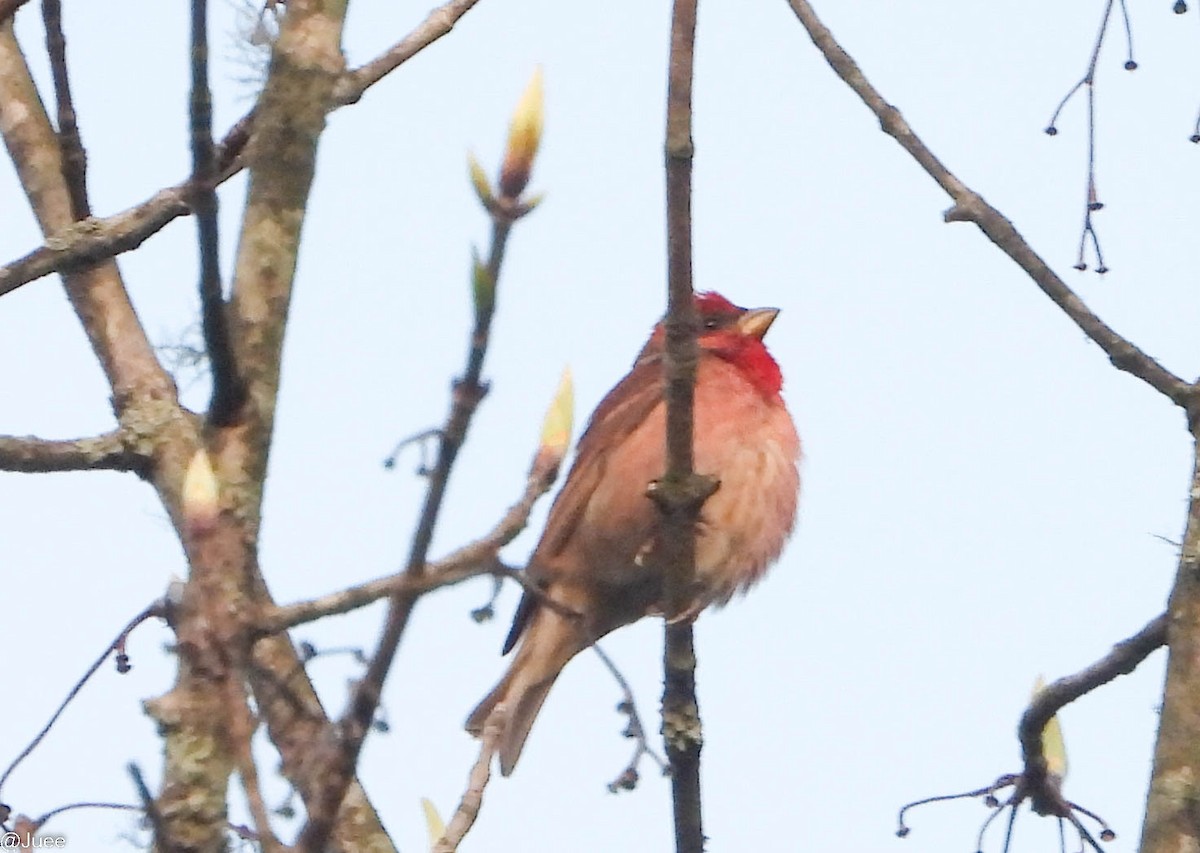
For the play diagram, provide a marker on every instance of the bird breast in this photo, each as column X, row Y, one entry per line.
column 743, row 438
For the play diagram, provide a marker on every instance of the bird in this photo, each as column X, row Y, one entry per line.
column 597, row 554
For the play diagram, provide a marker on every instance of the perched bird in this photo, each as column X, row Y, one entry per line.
column 597, row 557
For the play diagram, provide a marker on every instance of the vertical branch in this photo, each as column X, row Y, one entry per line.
column 681, row 492
column 226, row 393
column 1172, row 820
column 73, row 156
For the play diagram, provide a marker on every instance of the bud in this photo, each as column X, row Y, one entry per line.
column 479, row 180
column 556, row 428
column 483, row 288
column 524, row 136
column 201, row 494
column 433, row 822
column 1053, row 745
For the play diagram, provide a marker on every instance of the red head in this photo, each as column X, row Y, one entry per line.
column 734, row 334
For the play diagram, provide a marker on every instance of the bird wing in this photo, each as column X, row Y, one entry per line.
column 621, row 412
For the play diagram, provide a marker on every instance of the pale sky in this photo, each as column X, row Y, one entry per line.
column 985, row 498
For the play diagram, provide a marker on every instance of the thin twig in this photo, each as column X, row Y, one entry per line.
column 437, row 23
column 242, row 725
column 354, row 724
column 1036, row 783
column 969, row 206
column 227, row 393
column 158, row 609
column 1092, row 203
column 681, row 491
column 472, row 799
column 148, row 805
column 74, row 159
column 123, row 807
column 122, row 232
column 112, row 451
column 627, row 779
column 421, row 440
column 1123, row 659
column 477, row 558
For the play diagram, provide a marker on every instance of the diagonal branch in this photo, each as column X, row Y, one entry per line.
column 437, row 23
column 473, row 560
column 468, row 391
column 477, row 781
column 95, row 240
column 1122, row 660
column 97, row 295
column 969, row 206
column 112, row 451
column 76, row 247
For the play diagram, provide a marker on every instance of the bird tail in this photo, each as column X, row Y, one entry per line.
column 549, row 642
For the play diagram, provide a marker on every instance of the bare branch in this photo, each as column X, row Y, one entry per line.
column 227, row 392
column 1170, row 823
column 1122, row 660
column 477, row 558
column 472, row 798
column 112, row 451
column 74, row 159
column 341, row 753
column 93, row 240
column 96, row 240
column 627, row 779
column 681, row 491
column 98, row 295
column 437, row 23
column 153, row 816
column 41, row 822
column 969, row 206
column 1092, row 203
column 241, row 732
column 158, row 609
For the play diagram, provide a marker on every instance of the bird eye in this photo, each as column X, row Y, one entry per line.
column 710, row 324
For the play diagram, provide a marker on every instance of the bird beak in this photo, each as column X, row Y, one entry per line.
column 756, row 321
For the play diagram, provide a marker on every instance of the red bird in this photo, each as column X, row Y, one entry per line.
column 597, row 554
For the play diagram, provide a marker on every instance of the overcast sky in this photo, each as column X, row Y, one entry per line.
column 985, row 498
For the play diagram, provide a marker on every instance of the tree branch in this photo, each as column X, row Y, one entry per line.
column 86, row 243
column 1122, row 660
column 681, row 492
column 74, row 158
column 472, row 799
column 98, row 295
column 437, row 23
column 112, row 451
column 969, row 206
column 8, row 8
column 227, row 392
column 95, row 240
column 157, row 609
column 473, row 560
column 339, row 755
column 1172, row 821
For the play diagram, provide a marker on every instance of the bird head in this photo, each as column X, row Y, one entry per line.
column 732, row 333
